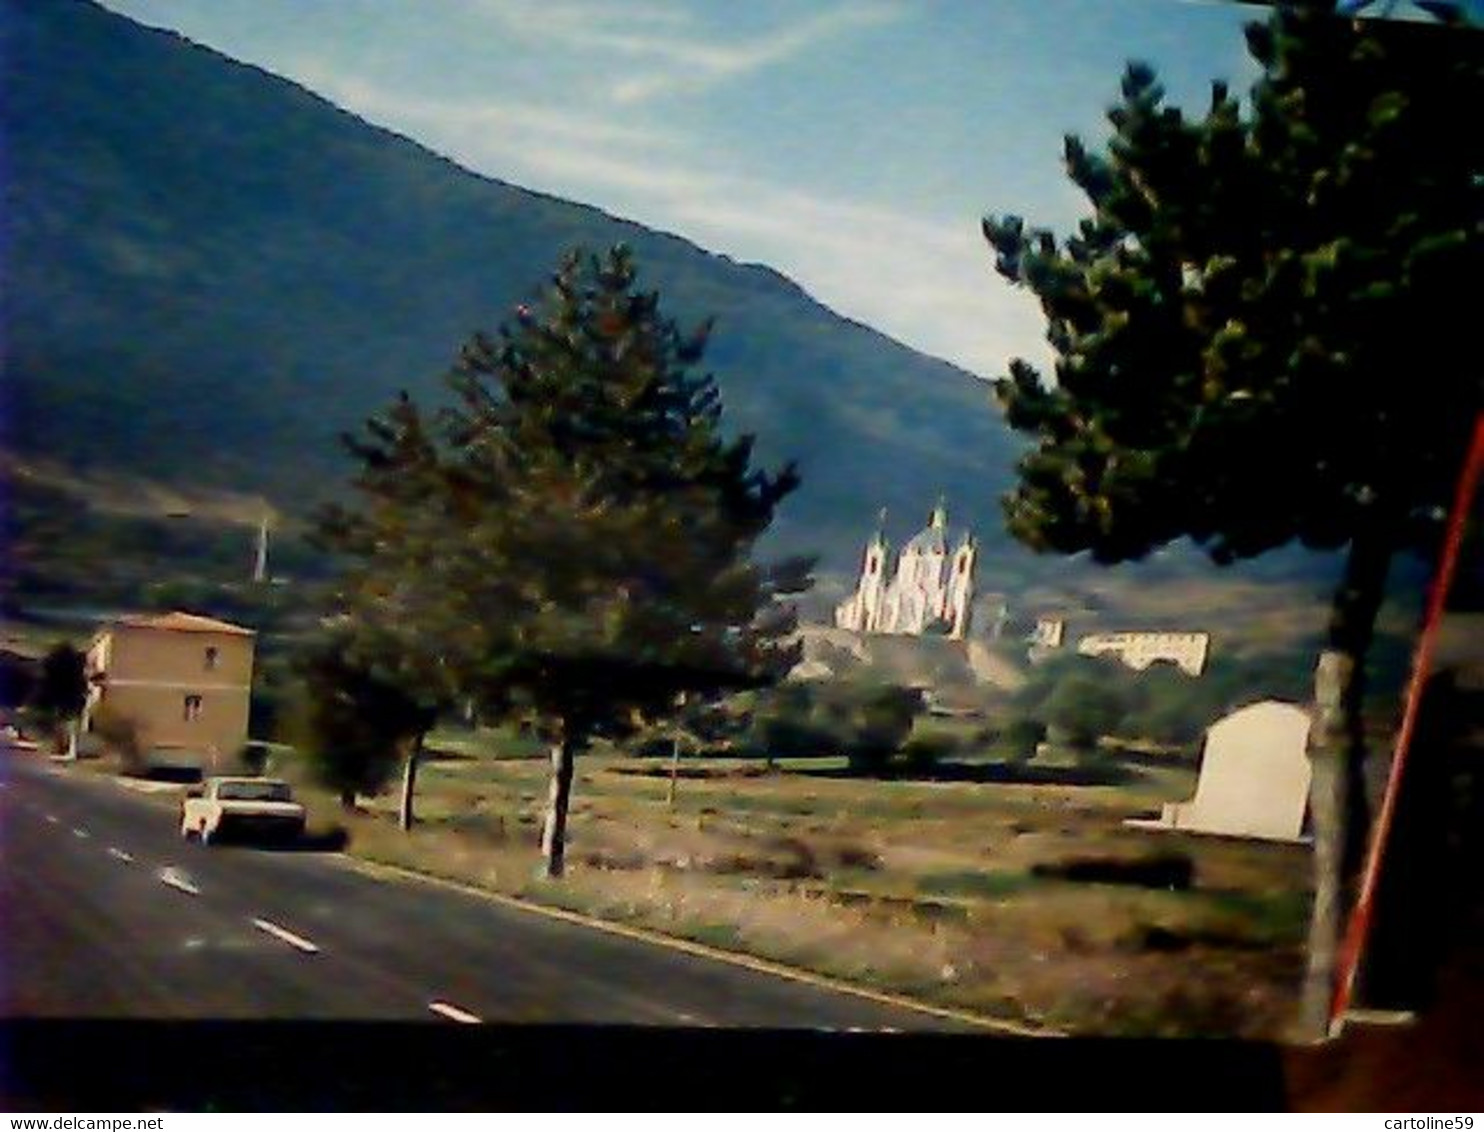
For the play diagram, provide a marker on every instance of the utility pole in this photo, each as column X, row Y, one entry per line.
column 260, row 560
column 675, row 754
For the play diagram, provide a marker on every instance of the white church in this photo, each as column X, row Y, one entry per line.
column 929, row 593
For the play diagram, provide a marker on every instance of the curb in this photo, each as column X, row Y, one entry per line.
column 380, row 871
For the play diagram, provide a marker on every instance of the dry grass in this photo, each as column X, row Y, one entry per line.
column 918, row 888
column 915, row 887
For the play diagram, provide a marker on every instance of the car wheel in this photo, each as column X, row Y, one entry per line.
column 185, row 831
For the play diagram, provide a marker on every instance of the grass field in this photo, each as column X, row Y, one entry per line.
column 943, row 890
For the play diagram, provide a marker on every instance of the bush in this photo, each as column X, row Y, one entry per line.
column 253, row 758
column 1021, row 738
column 871, row 723
column 121, row 735
column 866, row 723
column 784, row 724
column 1084, row 708
column 922, row 754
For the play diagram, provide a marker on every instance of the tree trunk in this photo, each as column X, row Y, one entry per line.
column 405, row 816
column 347, row 799
column 72, row 738
column 554, row 829
column 1337, row 753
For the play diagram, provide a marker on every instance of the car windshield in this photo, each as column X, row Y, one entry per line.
column 255, row 791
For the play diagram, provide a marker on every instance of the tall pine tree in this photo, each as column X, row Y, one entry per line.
column 1258, row 337
column 571, row 544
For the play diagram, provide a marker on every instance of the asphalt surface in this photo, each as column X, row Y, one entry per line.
column 108, row 914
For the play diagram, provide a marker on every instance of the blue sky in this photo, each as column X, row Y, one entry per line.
column 852, row 144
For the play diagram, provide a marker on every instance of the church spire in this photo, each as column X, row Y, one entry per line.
column 939, row 518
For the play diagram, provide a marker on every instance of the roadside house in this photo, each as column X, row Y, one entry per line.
column 182, row 680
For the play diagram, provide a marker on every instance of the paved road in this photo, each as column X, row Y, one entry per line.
column 108, row 914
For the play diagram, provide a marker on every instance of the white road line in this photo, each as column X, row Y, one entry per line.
column 454, row 1013
column 119, row 855
column 174, row 878
column 54, row 819
column 287, row 936
column 80, row 833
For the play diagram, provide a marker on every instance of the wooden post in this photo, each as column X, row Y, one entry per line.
column 674, row 769
column 675, row 753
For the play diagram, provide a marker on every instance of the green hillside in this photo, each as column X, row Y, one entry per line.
column 213, row 272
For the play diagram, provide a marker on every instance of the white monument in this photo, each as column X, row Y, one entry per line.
column 1254, row 777
column 931, row 591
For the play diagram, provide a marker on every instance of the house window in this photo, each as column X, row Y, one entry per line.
column 192, row 708
column 211, row 658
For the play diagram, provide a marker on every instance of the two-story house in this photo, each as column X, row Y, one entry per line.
column 184, row 681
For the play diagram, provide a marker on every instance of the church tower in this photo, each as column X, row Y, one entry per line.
column 873, row 579
column 961, row 588
column 862, row 613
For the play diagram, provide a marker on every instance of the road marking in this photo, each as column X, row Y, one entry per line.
column 54, row 819
column 384, row 873
column 119, row 855
column 176, row 879
column 454, row 1013
column 82, row 834
column 287, row 936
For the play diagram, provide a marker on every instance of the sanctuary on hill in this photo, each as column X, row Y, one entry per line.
column 928, row 590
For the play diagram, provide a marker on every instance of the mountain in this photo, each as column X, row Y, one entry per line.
column 212, row 272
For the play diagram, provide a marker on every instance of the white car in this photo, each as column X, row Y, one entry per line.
column 222, row 807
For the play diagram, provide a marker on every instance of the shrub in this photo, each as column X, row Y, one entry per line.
column 1085, row 708
column 1021, row 738
column 871, row 723
column 120, row 734
column 922, row 754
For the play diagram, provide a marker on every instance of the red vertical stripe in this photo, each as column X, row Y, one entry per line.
column 1358, row 928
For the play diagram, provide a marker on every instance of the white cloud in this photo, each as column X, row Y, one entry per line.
column 469, row 121
column 926, row 280
column 675, row 54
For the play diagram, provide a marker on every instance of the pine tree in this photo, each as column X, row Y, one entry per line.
column 571, row 544
column 392, row 622
column 1258, row 336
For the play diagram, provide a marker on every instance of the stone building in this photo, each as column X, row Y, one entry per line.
column 183, row 681
column 927, row 589
column 1187, row 651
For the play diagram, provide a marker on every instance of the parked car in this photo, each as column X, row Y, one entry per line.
column 247, row 807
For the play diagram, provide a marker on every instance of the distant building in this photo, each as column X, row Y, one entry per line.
column 1187, row 651
column 184, row 681
column 1050, row 633
column 928, row 590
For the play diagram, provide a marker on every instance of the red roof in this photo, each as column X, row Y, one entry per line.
column 179, row 622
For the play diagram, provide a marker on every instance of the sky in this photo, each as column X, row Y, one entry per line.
column 853, row 145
